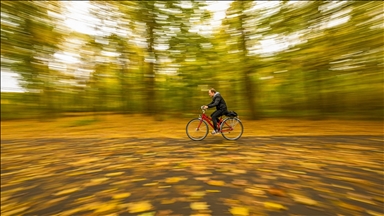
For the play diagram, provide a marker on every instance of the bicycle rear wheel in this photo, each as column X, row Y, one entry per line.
column 231, row 128
column 197, row 129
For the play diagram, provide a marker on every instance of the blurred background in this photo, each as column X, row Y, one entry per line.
column 307, row 59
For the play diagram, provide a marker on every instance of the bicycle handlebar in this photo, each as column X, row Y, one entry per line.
column 202, row 108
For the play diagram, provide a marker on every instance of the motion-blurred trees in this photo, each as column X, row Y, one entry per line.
column 283, row 58
column 29, row 38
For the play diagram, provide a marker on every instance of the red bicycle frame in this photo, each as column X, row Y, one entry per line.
column 210, row 122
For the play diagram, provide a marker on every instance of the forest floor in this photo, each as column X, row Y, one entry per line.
column 124, row 126
column 134, row 165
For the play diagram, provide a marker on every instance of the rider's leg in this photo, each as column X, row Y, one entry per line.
column 215, row 118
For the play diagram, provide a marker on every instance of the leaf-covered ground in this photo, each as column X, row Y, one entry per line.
column 136, row 166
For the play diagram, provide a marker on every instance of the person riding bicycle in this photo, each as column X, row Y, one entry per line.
column 221, row 107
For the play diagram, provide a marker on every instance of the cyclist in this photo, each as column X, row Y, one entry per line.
column 221, row 108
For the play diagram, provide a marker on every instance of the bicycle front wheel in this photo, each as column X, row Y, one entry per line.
column 231, row 128
column 197, row 129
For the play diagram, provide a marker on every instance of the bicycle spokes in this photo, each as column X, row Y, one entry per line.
column 233, row 123
column 197, row 129
column 232, row 129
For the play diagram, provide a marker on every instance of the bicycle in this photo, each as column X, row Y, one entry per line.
column 231, row 127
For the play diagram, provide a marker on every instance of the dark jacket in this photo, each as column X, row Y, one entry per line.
column 218, row 102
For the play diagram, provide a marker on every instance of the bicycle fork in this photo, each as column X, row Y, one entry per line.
column 198, row 127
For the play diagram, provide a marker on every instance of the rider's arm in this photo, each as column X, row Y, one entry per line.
column 214, row 103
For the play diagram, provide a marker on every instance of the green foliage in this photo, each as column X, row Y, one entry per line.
column 320, row 60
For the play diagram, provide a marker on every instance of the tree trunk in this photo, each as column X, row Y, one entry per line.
column 150, row 75
column 250, row 90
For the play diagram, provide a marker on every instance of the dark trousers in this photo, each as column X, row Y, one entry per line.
column 215, row 117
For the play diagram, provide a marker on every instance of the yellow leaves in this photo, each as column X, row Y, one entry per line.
column 114, row 174
column 200, row 214
column 72, row 211
column 138, row 207
column 147, row 182
column 255, row 192
column 363, row 200
column 303, row 200
column 164, row 186
column 276, row 192
column 125, row 182
column 168, row 201
column 140, row 179
column 151, row 184
column 85, row 161
column 264, row 170
column 212, row 191
column 197, row 194
column 239, row 211
column 76, row 173
column 216, row 183
column 15, row 211
column 274, row 206
column 239, row 182
column 52, row 201
column 173, row 180
column 349, row 206
column 92, row 205
column 105, row 207
column 121, row 195
column 307, row 165
column 297, row 172
column 373, row 213
column 67, row 191
column 199, row 206
column 238, row 171
column 268, row 177
column 99, row 180
column 85, row 199
column 198, row 168
column 343, row 187
column 379, row 198
column 161, row 163
column 202, row 178
column 94, row 182
column 147, row 214
column 353, row 180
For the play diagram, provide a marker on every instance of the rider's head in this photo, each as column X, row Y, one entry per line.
column 211, row 92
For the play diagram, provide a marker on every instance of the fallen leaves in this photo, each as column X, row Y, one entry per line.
column 121, row 195
column 239, row 211
column 150, row 184
column 199, row 206
column 99, row 180
column 15, row 211
column 255, row 192
column 114, row 176
column 303, row 200
column 240, row 182
column 84, row 161
column 173, row 180
column 239, row 171
column 167, row 201
column 105, row 207
column 350, row 206
column 274, row 206
column 138, row 207
column 197, row 194
column 67, row 191
column 216, row 183
column 276, row 192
